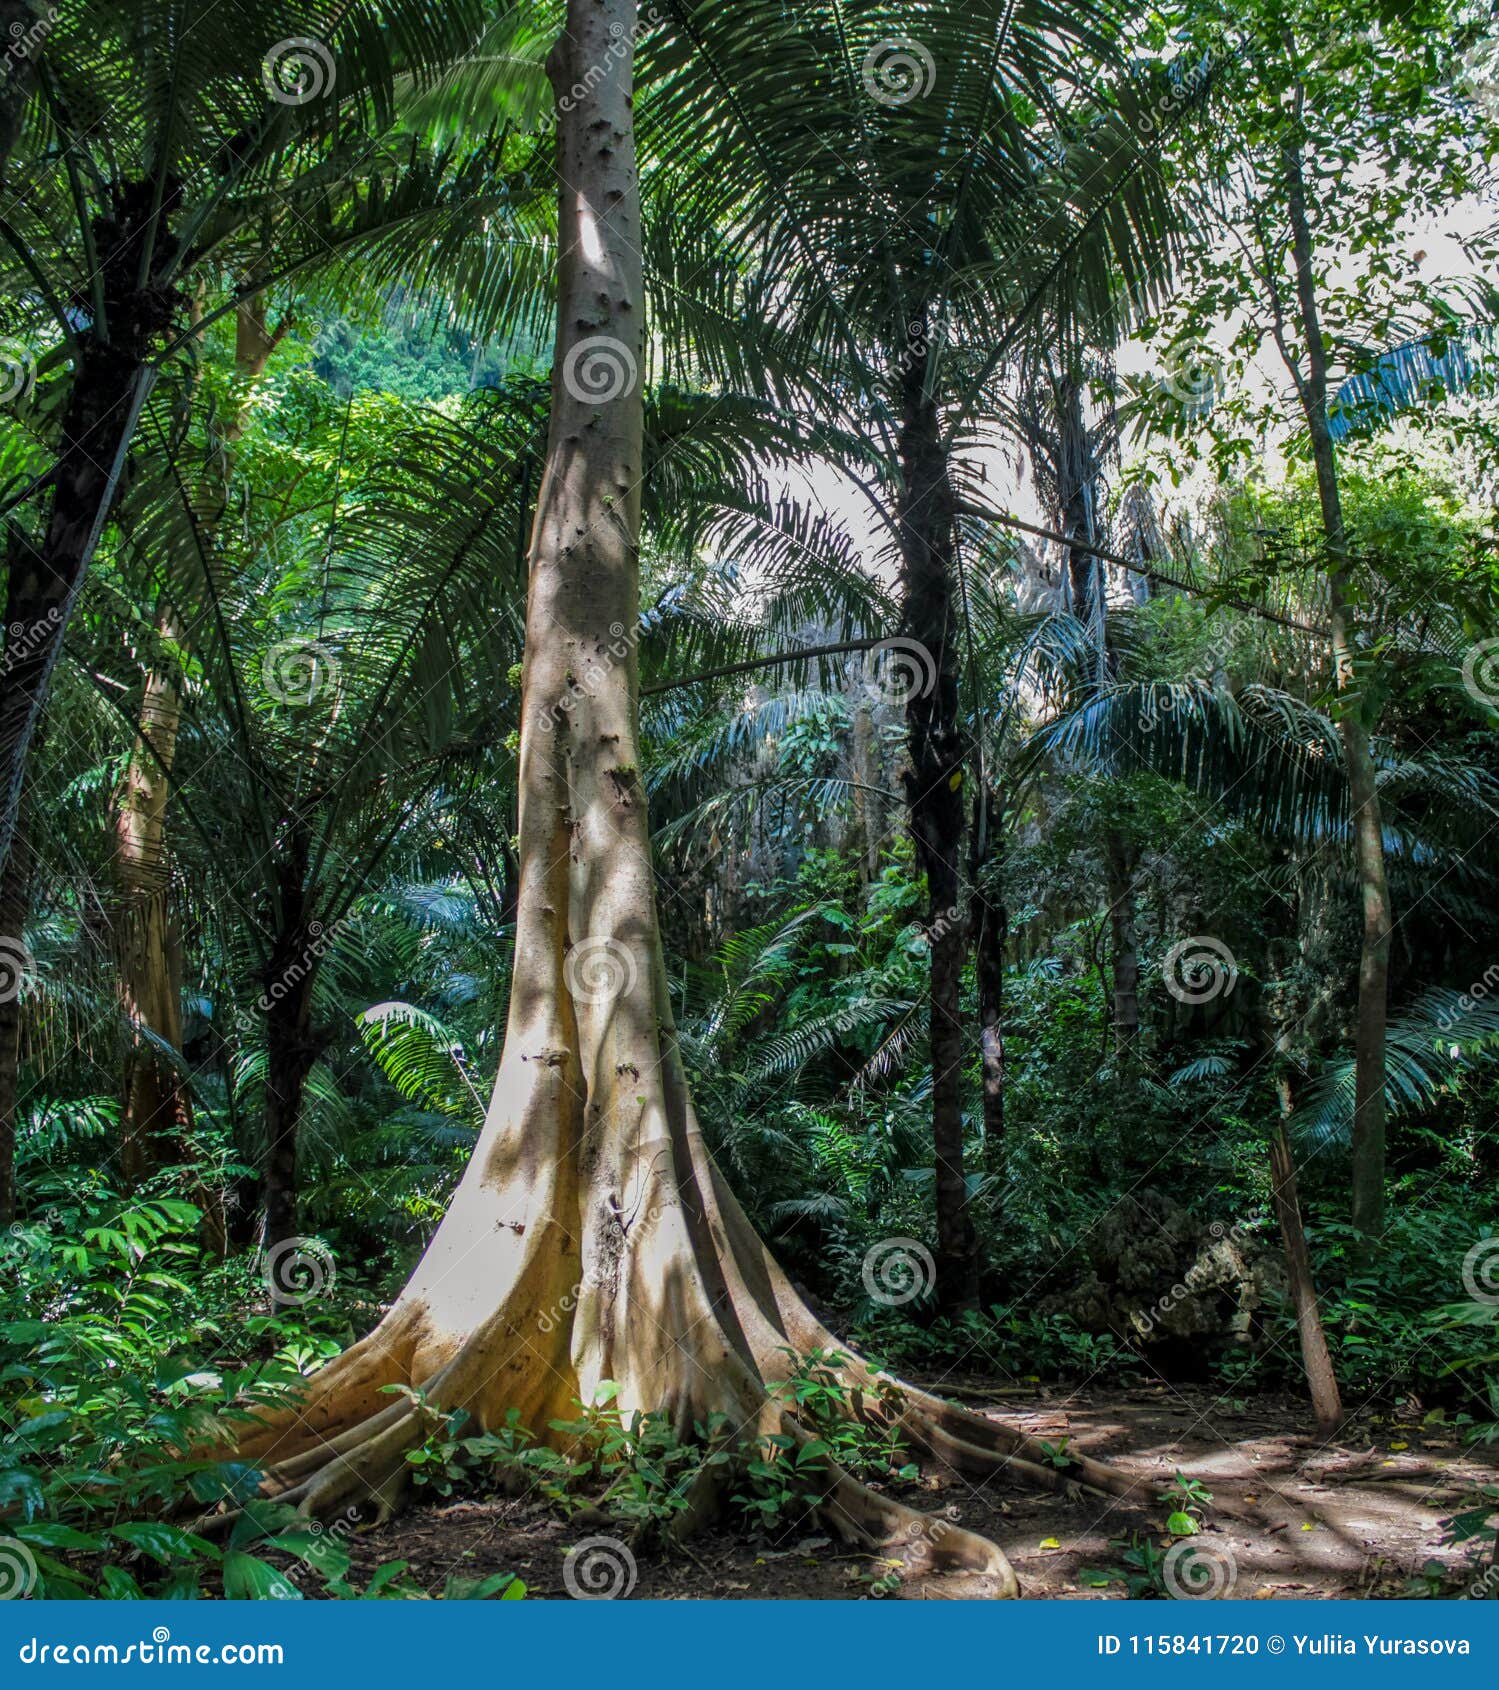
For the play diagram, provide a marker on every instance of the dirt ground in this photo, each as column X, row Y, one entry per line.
column 1298, row 1516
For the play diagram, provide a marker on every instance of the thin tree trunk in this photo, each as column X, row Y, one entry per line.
column 934, row 790
column 291, row 1050
column 1365, row 819
column 157, row 1109
column 990, row 924
column 15, row 906
column 1321, row 1381
column 1125, row 949
column 292, row 1043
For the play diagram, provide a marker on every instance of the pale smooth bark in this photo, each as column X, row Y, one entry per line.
column 591, row 1238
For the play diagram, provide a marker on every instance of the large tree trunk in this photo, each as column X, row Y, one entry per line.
column 1363, row 795
column 934, row 792
column 591, row 1238
column 15, row 906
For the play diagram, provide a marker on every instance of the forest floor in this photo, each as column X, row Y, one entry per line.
column 1299, row 1516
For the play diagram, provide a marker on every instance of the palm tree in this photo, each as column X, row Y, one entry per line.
column 163, row 144
column 950, row 174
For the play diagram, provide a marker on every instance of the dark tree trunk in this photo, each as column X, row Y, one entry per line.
column 1368, row 1172
column 112, row 378
column 292, row 1045
column 290, row 1054
column 934, row 791
column 15, row 906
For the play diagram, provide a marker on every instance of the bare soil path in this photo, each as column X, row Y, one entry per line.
column 1294, row 1515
